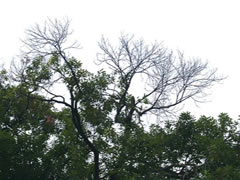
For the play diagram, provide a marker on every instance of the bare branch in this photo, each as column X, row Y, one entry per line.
column 52, row 37
column 169, row 79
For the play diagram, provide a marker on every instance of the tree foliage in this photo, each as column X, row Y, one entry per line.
column 98, row 134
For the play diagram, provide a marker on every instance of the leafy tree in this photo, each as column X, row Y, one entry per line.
column 193, row 149
column 23, row 136
column 31, row 146
column 105, row 113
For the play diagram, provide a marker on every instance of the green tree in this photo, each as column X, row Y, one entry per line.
column 105, row 113
column 31, row 146
column 193, row 149
column 34, row 148
column 23, row 136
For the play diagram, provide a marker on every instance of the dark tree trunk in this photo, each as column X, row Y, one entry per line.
column 77, row 122
column 96, row 166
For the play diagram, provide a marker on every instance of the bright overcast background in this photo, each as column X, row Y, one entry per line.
column 208, row 29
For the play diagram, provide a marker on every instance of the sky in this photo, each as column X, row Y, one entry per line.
column 207, row 29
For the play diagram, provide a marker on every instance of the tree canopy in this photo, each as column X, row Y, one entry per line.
column 99, row 132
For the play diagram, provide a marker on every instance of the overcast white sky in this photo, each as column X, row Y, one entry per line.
column 209, row 29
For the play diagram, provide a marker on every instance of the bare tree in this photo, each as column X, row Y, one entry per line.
column 169, row 80
column 52, row 37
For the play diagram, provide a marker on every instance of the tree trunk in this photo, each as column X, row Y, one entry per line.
column 77, row 122
column 96, row 166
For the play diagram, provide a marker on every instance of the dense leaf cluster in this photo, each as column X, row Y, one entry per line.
column 187, row 148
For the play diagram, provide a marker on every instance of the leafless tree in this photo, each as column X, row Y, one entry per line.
column 169, row 79
column 52, row 37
